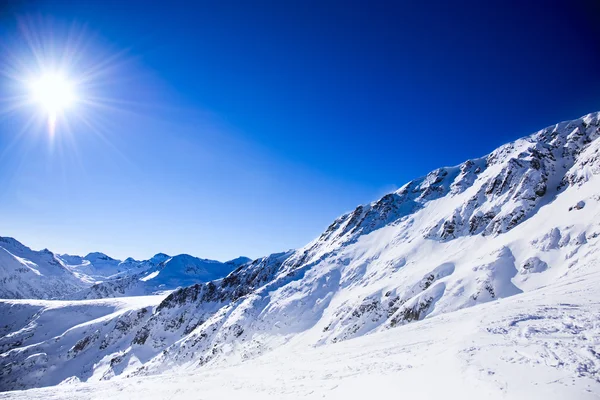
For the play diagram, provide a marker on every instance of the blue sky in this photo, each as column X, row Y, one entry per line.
column 245, row 128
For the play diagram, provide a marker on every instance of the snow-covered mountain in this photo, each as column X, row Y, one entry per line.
column 99, row 266
column 29, row 274
column 160, row 273
column 25, row 273
column 523, row 219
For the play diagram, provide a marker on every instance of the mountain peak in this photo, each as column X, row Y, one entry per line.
column 96, row 256
column 12, row 242
column 239, row 261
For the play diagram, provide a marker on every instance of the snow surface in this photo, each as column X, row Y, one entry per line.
column 478, row 280
column 521, row 347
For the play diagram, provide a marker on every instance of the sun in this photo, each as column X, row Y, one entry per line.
column 60, row 80
column 53, row 92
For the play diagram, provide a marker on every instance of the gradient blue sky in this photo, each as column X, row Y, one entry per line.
column 246, row 127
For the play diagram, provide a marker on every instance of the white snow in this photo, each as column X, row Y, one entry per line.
column 518, row 348
column 151, row 275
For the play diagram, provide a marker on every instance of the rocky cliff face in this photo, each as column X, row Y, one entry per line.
column 526, row 215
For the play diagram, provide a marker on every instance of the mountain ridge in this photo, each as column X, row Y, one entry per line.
column 522, row 218
column 27, row 273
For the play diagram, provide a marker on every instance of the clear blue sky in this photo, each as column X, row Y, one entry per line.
column 246, row 127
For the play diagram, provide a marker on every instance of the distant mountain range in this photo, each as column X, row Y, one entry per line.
column 26, row 273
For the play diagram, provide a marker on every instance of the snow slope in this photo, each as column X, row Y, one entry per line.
column 505, row 245
column 48, row 324
column 515, row 348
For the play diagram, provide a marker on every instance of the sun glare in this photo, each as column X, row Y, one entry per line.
column 59, row 80
column 53, row 92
